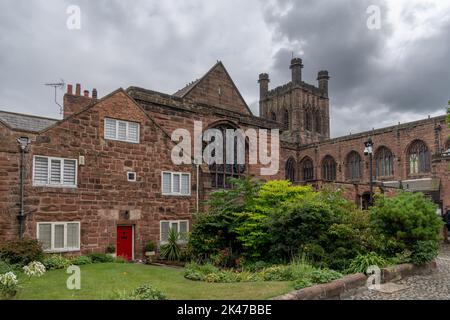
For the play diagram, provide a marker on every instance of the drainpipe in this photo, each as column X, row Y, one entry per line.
column 23, row 144
column 198, row 180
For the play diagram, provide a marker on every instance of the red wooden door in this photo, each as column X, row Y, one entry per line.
column 125, row 242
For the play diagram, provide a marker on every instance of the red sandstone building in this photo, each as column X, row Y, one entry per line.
column 103, row 174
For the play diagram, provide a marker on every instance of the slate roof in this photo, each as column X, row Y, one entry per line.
column 26, row 122
column 183, row 92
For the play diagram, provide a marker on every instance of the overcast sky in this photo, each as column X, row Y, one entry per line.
column 400, row 72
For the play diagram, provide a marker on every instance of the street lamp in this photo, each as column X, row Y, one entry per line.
column 23, row 145
column 368, row 151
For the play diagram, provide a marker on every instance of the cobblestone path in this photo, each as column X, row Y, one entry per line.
column 435, row 286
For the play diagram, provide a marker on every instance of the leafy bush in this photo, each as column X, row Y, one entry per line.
column 143, row 292
column 302, row 283
column 256, row 266
column 405, row 220
column 171, row 251
column 21, row 252
column 324, row 276
column 120, row 260
column 56, row 261
column 34, row 269
column 362, row 262
column 5, row 267
column 424, row 251
column 111, row 249
column 81, row 260
column 8, row 285
column 100, row 258
column 149, row 246
column 277, row 273
column 197, row 272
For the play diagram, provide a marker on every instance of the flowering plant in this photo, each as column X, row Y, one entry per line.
column 34, row 269
column 8, row 284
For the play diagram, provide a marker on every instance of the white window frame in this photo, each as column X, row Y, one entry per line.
column 127, row 123
column 52, row 240
column 49, row 168
column 128, row 176
column 172, row 193
column 170, row 228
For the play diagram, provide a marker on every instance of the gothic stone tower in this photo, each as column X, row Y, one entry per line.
column 301, row 109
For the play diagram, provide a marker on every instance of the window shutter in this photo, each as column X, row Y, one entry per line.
column 55, row 171
column 58, row 239
column 133, row 132
column 185, row 187
column 110, row 129
column 122, row 131
column 176, row 183
column 69, row 172
column 45, row 235
column 167, row 183
column 40, row 170
column 183, row 230
column 165, row 226
column 73, row 231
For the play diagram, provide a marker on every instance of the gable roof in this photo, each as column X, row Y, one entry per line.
column 25, row 122
column 184, row 92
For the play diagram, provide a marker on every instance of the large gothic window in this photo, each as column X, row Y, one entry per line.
column 222, row 173
column 308, row 121
column 318, row 123
column 354, row 166
column 290, row 170
column 286, row 119
column 418, row 158
column 329, row 169
column 307, row 169
column 384, row 161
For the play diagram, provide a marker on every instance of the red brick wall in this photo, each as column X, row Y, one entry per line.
column 103, row 193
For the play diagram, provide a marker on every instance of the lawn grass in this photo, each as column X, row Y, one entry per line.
column 98, row 281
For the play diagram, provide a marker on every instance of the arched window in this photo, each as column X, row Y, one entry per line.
column 221, row 173
column 308, row 121
column 318, row 123
column 354, row 166
column 329, row 169
column 418, row 158
column 290, row 170
column 384, row 161
column 307, row 168
column 286, row 119
column 273, row 116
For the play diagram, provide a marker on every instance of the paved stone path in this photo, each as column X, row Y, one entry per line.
column 435, row 286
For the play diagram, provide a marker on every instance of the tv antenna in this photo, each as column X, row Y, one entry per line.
column 57, row 85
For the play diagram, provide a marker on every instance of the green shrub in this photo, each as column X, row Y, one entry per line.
column 424, row 251
column 256, row 266
column 149, row 246
column 143, row 292
column 120, row 260
column 197, row 272
column 5, row 267
column 9, row 285
column 324, row 275
column 302, row 283
column 21, row 252
column 362, row 262
column 171, row 251
column 405, row 220
column 56, row 261
column 100, row 258
column 81, row 260
column 277, row 273
column 111, row 249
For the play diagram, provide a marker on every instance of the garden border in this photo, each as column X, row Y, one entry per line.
column 354, row 283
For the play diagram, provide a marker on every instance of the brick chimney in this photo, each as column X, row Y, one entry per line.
column 74, row 103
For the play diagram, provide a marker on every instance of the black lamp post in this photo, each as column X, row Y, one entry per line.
column 368, row 151
column 23, row 144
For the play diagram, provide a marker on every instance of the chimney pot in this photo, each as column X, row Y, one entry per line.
column 78, row 89
column 94, row 93
column 69, row 89
column 86, row 93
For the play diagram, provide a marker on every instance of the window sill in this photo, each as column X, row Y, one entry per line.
column 55, row 186
column 176, row 195
column 62, row 250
